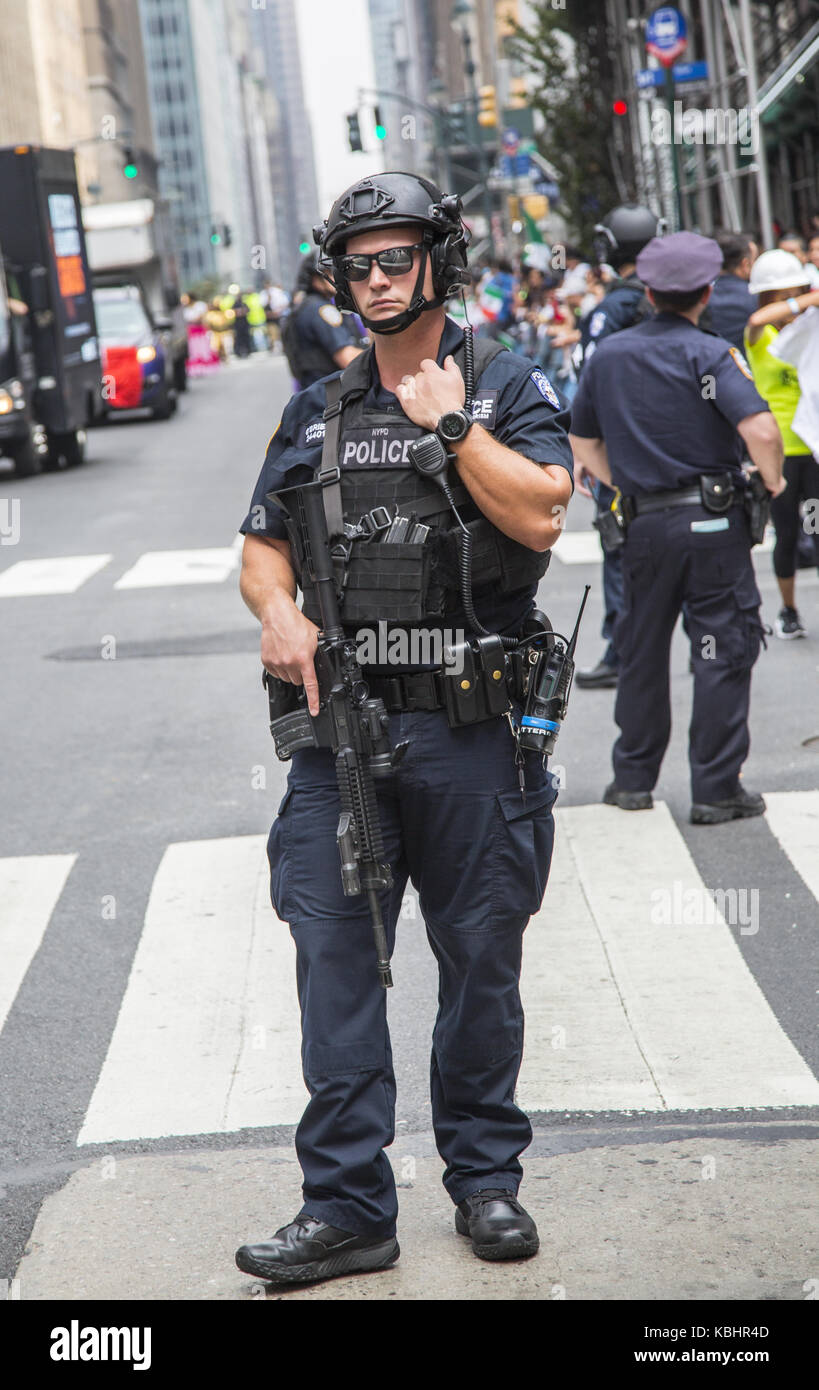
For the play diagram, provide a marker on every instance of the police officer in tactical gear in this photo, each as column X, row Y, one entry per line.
column 316, row 336
column 619, row 238
column 662, row 413
column 452, row 815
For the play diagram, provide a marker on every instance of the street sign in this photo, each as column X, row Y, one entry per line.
column 681, row 72
column 510, row 141
column 666, row 36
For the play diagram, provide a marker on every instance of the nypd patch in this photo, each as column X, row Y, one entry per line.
column 546, row 388
column 741, row 363
column 598, row 323
column 331, row 315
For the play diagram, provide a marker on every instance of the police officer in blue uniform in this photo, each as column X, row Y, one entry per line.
column 619, row 238
column 663, row 412
column 318, row 338
column 731, row 303
column 453, row 818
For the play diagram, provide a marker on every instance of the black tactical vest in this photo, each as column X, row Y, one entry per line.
column 406, row 583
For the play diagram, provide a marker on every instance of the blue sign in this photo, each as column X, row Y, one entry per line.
column 681, row 72
column 666, row 36
column 510, row 141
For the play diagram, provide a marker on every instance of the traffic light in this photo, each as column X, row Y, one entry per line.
column 129, row 168
column 456, row 121
column 487, row 111
column 215, row 236
column 619, row 107
column 380, row 128
column 227, row 235
column 304, row 248
column 518, row 94
column 354, row 132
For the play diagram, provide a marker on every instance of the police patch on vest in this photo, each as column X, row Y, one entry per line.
column 546, row 389
column 598, row 323
column 331, row 315
column 379, row 446
column 310, row 435
column 485, row 408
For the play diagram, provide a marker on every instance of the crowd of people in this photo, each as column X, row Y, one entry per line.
column 536, row 306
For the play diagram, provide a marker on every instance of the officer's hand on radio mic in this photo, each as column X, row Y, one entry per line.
column 433, row 391
column 288, row 651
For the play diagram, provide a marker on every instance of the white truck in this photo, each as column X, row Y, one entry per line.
column 128, row 246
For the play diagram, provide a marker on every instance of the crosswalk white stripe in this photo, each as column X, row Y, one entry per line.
column 794, row 820
column 29, row 888
column 702, row 1026
column 580, row 1052
column 159, row 568
column 56, row 575
column 578, row 548
column 207, row 1038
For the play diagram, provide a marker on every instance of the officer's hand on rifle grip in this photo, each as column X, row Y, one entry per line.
column 288, row 651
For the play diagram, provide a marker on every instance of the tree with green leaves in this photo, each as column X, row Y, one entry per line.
column 570, row 52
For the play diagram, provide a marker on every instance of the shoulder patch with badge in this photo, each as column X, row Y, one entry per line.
column 741, row 363
column 546, row 388
column 311, row 434
column 598, row 323
column 331, row 315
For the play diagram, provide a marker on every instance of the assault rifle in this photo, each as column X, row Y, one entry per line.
column 349, row 722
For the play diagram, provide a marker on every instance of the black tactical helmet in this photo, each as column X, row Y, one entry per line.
column 398, row 199
column 624, row 232
column 307, row 270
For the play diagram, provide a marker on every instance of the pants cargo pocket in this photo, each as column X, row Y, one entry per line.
column 277, row 855
column 522, row 850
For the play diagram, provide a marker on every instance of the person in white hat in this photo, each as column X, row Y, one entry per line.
column 779, row 278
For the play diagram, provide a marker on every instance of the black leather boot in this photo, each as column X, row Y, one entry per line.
column 497, row 1225
column 308, row 1250
column 737, row 807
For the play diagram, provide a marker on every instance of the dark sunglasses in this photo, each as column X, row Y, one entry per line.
column 396, row 260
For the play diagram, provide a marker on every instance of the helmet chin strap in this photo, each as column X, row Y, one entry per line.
column 417, row 306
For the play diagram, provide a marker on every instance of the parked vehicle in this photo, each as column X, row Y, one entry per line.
column 137, row 365
column 49, row 354
column 128, row 245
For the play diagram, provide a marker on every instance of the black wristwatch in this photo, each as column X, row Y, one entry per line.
column 454, row 426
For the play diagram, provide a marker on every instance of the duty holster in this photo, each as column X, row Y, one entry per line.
column 756, row 500
column 612, row 525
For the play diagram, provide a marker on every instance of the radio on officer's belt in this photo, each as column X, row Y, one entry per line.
column 611, row 524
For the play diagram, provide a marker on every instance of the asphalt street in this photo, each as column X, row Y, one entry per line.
column 135, row 721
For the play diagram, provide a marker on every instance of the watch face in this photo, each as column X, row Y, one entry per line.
column 452, row 425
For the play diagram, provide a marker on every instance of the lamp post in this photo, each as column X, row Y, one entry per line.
column 463, row 10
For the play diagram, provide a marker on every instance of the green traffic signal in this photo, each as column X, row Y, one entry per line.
column 130, row 171
column 215, row 239
column 380, row 132
column 304, row 247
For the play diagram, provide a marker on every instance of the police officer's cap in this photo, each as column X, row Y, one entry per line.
column 679, row 263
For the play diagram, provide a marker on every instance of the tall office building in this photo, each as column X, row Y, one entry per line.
column 197, row 116
column 295, row 192
column 403, row 46
column 118, row 97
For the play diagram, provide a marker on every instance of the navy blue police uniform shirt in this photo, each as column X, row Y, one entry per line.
column 666, row 398
column 321, row 325
column 729, row 308
column 621, row 306
column 513, row 399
